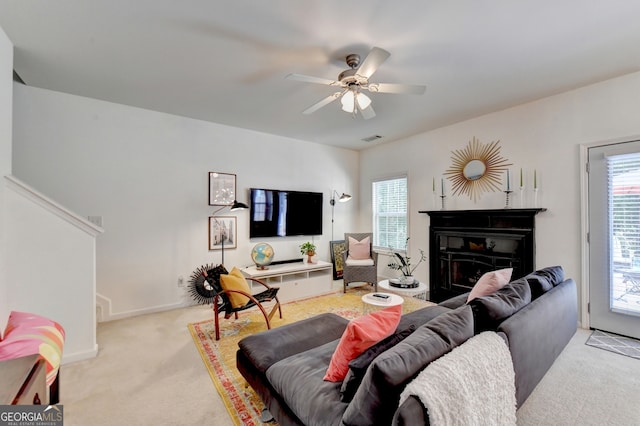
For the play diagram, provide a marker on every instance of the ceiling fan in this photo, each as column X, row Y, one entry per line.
column 356, row 79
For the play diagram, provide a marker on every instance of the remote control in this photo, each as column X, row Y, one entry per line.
column 380, row 296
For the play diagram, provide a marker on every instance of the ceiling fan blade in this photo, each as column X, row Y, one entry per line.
column 374, row 59
column 401, row 89
column 311, row 79
column 326, row 101
column 368, row 112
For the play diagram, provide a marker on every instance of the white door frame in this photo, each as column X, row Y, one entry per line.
column 584, row 213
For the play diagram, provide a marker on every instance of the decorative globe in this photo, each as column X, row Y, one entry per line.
column 262, row 255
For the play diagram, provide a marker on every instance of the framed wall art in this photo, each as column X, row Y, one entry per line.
column 222, row 232
column 222, row 189
column 337, row 248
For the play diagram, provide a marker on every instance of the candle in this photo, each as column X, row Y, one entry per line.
column 535, row 179
column 508, row 184
column 442, row 185
column 520, row 177
column 434, row 184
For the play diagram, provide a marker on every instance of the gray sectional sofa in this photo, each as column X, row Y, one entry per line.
column 536, row 315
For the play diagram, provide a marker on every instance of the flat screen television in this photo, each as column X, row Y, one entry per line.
column 278, row 213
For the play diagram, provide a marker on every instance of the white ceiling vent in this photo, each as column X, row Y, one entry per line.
column 372, row 138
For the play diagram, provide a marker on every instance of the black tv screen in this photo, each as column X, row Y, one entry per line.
column 277, row 213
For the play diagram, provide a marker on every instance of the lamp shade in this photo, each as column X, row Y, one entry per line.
column 344, row 198
column 238, row 206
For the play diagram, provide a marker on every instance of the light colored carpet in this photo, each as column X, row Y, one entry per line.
column 585, row 386
column 148, row 371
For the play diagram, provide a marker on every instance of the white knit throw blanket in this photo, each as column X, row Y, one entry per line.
column 474, row 384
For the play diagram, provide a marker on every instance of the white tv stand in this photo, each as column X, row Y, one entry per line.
column 296, row 280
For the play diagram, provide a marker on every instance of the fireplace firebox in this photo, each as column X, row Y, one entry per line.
column 464, row 244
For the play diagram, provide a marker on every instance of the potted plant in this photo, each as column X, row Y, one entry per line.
column 402, row 262
column 309, row 249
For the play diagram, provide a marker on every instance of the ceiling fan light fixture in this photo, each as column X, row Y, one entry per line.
column 355, row 79
column 350, row 98
column 363, row 101
column 348, row 101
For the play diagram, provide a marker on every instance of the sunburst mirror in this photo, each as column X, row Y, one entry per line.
column 476, row 169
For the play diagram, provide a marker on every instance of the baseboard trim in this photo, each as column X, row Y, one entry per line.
column 79, row 356
column 149, row 310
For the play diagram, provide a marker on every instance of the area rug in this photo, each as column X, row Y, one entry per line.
column 243, row 405
column 615, row 343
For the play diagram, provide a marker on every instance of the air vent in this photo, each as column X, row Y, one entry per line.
column 372, row 138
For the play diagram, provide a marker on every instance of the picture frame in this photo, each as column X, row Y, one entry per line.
column 223, row 232
column 337, row 248
column 222, row 189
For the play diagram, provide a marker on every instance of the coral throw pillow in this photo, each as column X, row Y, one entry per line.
column 30, row 334
column 359, row 250
column 490, row 282
column 360, row 334
column 235, row 281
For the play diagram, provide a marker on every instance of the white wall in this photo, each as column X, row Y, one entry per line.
column 146, row 174
column 6, row 106
column 544, row 135
column 51, row 266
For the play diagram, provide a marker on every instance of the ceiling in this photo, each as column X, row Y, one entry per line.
column 226, row 61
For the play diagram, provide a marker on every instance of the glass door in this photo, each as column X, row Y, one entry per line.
column 614, row 235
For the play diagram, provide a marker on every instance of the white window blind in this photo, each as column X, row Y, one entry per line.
column 624, row 208
column 390, row 213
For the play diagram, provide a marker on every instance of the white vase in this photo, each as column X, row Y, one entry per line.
column 407, row 279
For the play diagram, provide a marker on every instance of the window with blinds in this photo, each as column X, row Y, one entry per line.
column 624, row 209
column 390, row 213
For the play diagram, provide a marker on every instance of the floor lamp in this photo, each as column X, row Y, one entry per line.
column 234, row 207
column 342, row 199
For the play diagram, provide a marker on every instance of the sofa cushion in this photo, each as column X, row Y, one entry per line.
column 298, row 379
column 544, row 280
column 379, row 394
column 489, row 311
column 30, row 334
column 455, row 301
column 489, row 282
column 555, row 274
column 420, row 317
column 538, row 284
column 268, row 347
column 358, row 366
column 360, row 334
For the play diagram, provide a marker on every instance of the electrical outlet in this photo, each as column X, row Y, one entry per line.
column 180, row 281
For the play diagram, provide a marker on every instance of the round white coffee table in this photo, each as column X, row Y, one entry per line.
column 370, row 301
column 419, row 292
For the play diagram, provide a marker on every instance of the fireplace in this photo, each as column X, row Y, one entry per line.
column 464, row 244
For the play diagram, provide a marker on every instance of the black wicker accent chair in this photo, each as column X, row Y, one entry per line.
column 221, row 301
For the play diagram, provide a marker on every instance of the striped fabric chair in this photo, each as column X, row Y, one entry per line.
column 358, row 270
